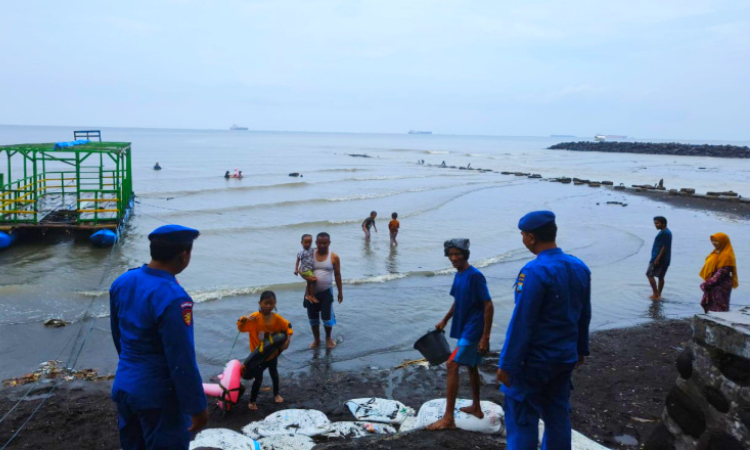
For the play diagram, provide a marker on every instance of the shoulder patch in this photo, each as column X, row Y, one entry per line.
column 187, row 312
column 519, row 282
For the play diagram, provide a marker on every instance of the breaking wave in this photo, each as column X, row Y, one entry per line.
column 218, row 292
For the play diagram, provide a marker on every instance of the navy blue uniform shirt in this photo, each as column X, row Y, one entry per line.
column 550, row 323
column 151, row 317
column 469, row 291
column 663, row 239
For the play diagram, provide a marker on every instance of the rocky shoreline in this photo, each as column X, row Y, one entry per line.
column 668, row 148
column 618, row 398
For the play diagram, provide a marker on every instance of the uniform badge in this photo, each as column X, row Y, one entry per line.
column 187, row 313
column 519, row 282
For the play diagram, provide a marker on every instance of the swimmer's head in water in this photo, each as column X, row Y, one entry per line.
column 394, row 216
column 306, row 241
column 267, row 302
column 373, row 214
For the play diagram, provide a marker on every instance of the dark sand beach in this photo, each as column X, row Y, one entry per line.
column 619, row 391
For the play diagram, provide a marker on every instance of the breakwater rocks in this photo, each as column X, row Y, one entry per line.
column 709, row 405
column 668, row 148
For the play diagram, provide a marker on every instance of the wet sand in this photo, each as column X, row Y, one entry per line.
column 619, row 391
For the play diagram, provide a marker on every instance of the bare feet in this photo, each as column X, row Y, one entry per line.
column 252, row 406
column 315, row 344
column 474, row 410
column 265, row 388
column 446, row 423
column 655, row 297
column 330, row 343
column 278, row 399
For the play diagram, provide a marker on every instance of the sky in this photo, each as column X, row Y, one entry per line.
column 644, row 68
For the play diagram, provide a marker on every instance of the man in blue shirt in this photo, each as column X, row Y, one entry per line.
column 547, row 336
column 661, row 255
column 472, row 313
column 158, row 389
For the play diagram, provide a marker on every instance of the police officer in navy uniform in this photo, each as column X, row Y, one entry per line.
column 547, row 337
column 158, row 389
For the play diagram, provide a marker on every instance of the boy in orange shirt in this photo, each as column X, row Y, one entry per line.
column 265, row 321
column 393, row 226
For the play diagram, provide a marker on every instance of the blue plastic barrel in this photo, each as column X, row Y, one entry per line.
column 6, row 240
column 434, row 347
column 103, row 238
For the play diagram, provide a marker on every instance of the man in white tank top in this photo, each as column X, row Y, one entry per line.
column 327, row 268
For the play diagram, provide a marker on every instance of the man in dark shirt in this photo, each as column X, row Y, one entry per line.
column 661, row 254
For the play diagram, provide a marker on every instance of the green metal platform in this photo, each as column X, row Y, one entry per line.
column 87, row 186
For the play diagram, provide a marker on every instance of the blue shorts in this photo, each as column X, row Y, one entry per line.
column 466, row 355
column 324, row 309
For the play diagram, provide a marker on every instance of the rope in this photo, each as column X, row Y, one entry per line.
column 235, row 343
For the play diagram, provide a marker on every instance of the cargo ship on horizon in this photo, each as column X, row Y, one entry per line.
column 236, row 128
column 419, row 132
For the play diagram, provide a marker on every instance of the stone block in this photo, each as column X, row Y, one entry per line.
column 660, row 439
column 685, row 412
column 685, row 363
column 726, row 331
column 716, row 399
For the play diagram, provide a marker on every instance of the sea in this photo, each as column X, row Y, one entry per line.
column 251, row 229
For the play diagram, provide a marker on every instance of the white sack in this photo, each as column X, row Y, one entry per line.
column 379, row 410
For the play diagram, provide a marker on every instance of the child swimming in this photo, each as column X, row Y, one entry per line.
column 304, row 267
column 267, row 322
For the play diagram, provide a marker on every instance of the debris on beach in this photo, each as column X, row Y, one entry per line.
column 53, row 370
column 55, row 323
column 359, row 155
column 413, row 362
column 617, row 203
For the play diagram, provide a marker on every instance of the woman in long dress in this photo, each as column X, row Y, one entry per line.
column 719, row 274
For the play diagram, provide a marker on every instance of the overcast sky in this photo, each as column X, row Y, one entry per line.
column 645, row 68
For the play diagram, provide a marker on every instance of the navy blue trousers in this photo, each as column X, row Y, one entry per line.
column 163, row 428
column 542, row 392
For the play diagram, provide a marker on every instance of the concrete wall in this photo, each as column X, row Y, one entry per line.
column 709, row 406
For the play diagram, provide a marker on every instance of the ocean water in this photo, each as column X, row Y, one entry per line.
column 251, row 230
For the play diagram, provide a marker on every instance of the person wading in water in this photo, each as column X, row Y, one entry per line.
column 326, row 267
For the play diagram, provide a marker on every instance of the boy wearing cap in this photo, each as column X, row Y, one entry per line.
column 547, row 337
column 158, row 389
column 472, row 313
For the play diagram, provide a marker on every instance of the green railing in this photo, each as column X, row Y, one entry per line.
column 98, row 193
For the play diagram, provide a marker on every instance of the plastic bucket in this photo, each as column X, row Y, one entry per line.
column 434, row 347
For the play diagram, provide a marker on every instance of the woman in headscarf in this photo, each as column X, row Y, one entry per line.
column 719, row 274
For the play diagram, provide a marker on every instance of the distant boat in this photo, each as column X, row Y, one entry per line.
column 236, row 128
column 600, row 138
column 419, row 132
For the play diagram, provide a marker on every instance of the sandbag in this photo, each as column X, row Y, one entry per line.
column 578, row 441
column 492, row 423
column 379, row 410
column 353, row 430
column 224, row 439
column 287, row 443
column 289, row 422
column 409, row 424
